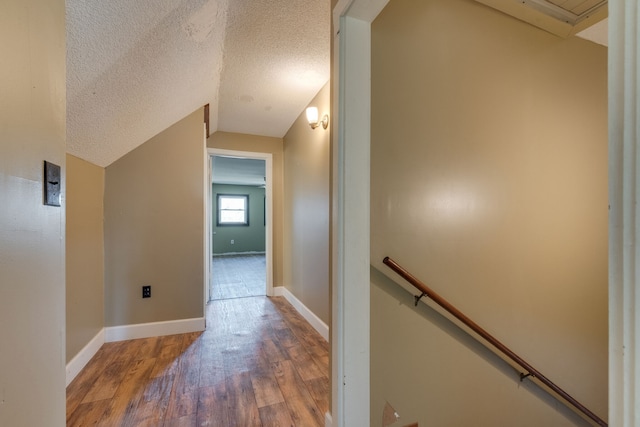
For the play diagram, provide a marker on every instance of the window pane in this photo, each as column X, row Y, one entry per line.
column 232, row 202
column 233, row 209
column 232, row 216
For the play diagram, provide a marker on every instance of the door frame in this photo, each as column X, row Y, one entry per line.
column 351, row 300
column 268, row 158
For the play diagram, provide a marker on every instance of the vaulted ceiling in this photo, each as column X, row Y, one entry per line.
column 136, row 67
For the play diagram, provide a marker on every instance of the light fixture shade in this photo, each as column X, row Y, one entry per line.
column 312, row 115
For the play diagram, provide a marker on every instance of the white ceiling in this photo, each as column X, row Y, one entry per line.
column 135, row 68
column 597, row 33
column 238, row 171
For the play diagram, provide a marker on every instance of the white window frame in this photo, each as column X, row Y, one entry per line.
column 219, row 209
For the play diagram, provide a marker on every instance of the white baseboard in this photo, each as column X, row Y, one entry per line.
column 240, row 253
column 328, row 421
column 129, row 332
column 154, row 329
column 310, row 316
column 81, row 359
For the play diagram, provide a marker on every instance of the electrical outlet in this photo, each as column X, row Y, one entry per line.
column 232, row 241
column 146, row 292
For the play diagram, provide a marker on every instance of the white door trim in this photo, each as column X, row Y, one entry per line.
column 268, row 158
column 350, row 341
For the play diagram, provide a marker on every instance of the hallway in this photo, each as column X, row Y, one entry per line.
column 258, row 363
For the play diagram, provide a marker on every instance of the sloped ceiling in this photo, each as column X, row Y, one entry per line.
column 597, row 33
column 276, row 59
column 134, row 68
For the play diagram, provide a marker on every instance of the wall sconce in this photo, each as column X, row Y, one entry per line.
column 312, row 118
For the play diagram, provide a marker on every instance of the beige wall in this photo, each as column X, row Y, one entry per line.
column 32, row 236
column 261, row 144
column 84, row 253
column 306, row 210
column 489, row 182
column 154, row 228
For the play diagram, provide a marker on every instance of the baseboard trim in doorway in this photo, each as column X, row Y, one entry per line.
column 83, row 357
column 310, row 316
column 328, row 421
column 239, row 253
column 154, row 329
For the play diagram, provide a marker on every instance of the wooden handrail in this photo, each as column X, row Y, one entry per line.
column 531, row 371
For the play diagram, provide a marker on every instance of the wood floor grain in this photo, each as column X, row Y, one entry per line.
column 258, row 363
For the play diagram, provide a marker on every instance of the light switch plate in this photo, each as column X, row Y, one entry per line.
column 52, row 184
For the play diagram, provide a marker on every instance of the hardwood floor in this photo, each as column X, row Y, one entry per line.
column 258, row 363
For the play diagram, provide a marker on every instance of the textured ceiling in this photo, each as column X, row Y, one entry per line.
column 275, row 61
column 134, row 68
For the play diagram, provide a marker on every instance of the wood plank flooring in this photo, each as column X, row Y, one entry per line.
column 258, row 363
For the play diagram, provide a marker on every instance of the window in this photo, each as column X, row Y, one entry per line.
column 233, row 209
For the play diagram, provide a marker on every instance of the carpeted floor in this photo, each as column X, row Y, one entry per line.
column 237, row 276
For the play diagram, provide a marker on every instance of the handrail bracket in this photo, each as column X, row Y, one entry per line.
column 417, row 298
column 524, row 376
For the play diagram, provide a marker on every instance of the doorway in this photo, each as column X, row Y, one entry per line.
column 239, row 228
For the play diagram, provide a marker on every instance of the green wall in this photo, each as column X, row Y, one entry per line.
column 249, row 238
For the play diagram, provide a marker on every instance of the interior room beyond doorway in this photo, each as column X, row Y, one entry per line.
column 237, row 276
column 238, row 224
